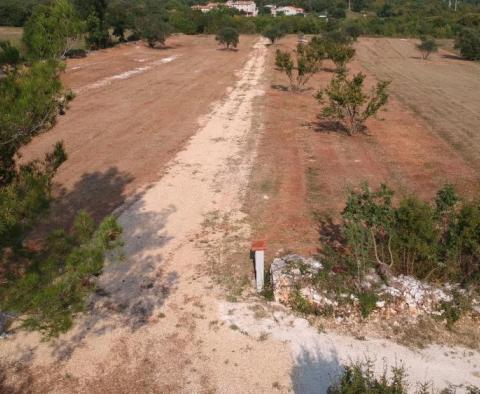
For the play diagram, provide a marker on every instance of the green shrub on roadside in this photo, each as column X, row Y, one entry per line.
column 368, row 302
column 359, row 377
column 468, row 42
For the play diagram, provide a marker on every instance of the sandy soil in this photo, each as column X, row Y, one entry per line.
column 135, row 108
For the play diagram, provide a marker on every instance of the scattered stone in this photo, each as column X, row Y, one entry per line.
column 287, row 271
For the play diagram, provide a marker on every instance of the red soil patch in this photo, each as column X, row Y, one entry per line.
column 121, row 132
column 305, row 167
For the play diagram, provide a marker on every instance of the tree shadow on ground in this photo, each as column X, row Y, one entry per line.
column 330, row 233
column 98, row 193
column 133, row 285
column 328, row 126
column 228, row 49
column 315, row 371
column 452, row 56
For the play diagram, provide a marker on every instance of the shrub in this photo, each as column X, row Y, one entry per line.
column 9, row 55
column 368, row 302
column 359, row 377
column 348, row 103
column 340, row 54
column 153, row 29
column 228, row 36
column 55, row 285
column 273, row 33
column 468, row 42
column 299, row 69
column 427, row 46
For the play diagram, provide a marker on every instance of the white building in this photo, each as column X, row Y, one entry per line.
column 289, row 10
column 206, row 7
column 248, row 7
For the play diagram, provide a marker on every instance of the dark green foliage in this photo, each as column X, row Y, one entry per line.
column 29, row 102
column 348, row 103
column 51, row 30
column 468, row 42
column 97, row 32
column 228, row 36
column 273, row 33
column 56, row 282
column 299, row 69
column 368, row 301
column 153, row 29
column 9, row 55
column 438, row 241
column 427, row 46
column 359, row 378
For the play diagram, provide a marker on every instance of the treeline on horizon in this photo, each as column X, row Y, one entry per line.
column 406, row 18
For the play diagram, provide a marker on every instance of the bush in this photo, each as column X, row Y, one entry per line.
column 9, row 55
column 348, row 103
column 368, row 302
column 439, row 241
column 359, row 377
column 427, row 46
column 154, row 29
column 228, row 36
column 273, row 33
column 55, row 285
column 468, row 42
column 299, row 69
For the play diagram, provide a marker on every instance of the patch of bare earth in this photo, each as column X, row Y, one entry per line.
column 135, row 108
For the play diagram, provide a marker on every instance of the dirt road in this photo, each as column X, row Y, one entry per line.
column 135, row 109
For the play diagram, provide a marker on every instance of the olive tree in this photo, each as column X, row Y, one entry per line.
column 348, row 103
column 300, row 67
column 427, row 46
column 468, row 42
column 228, row 36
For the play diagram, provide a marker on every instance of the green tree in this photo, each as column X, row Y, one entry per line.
column 154, row 29
column 52, row 30
column 468, row 42
column 340, row 54
column 300, row 67
column 427, row 46
column 228, row 36
column 348, row 103
column 29, row 101
column 273, row 33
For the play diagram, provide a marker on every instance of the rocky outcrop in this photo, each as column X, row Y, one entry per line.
column 404, row 296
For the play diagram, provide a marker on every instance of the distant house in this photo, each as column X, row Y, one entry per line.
column 287, row 10
column 246, row 6
column 206, row 7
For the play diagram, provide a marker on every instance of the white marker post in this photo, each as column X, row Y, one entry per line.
column 259, row 248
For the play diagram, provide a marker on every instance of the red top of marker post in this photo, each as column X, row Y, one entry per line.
column 260, row 244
